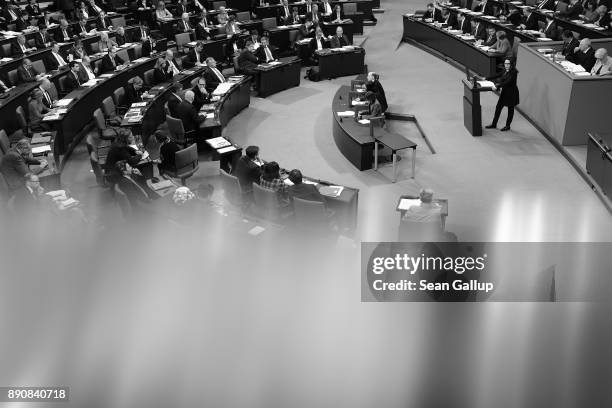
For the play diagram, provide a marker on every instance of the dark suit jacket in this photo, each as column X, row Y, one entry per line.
column 551, row 31
column 166, row 154
column 26, row 75
column 99, row 23
column 261, row 54
column 212, row 81
column 531, row 22
column 21, row 24
column 107, row 65
column 586, row 59
column 313, row 44
column 377, row 88
column 160, row 75
column 173, row 103
column 16, row 49
column 180, row 9
column 509, row 95
column 59, row 37
column 191, row 60
column 294, row 20
column 480, row 32
column 436, row 15
column 188, row 114
column 310, row 16
column 247, row 173
column 181, row 28
column 201, row 33
column 490, row 40
column 305, row 192
column 80, row 30
column 568, row 49
column 305, row 33
column 71, row 82
column 604, row 21
column 336, row 42
column 41, row 40
column 465, row 26
column 200, row 98
column 14, row 167
column 132, row 95
column 51, row 63
column 120, row 39
column 334, row 15
column 33, row 10
column 247, row 61
column 573, row 12
column 281, row 16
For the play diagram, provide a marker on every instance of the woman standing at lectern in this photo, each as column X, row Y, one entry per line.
column 509, row 95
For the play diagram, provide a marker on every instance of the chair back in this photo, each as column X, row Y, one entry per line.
column 266, row 202
column 5, row 143
column 243, row 16
column 293, row 36
column 39, row 66
column 62, row 85
column 119, row 96
column 135, row 194
column 176, row 129
column 118, row 21
column 6, row 49
column 148, row 77
column 21, row 118
column 99, row 119
column 186, row 162
column 181, row 39
column 95, row 47
column 123, row 202
column 349, row 8
column 108, row 107
column 12, row 77
column 194, row 82
column 231, row 188
column 310, row 214
column 96, row 168
column 123, row 54
column 515, row 45
column 218, row 4
column 236, row 66
column 268, row 23
column 137, row 50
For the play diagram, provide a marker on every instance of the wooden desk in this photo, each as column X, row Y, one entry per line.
column 276, row 78
column 333, row 64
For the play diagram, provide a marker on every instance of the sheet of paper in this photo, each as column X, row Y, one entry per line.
column 227, row 149
column 138, row 105
column 41, row 149
column 256, row 230
column 364, row 121
column 346, row 114
column 485, row 84
column 63, row 102
column 406, row 203
column 218, row 142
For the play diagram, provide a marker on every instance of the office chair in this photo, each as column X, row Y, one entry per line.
column 177, row 131
column 311, row 215
column 185, row 163
column 268, row 206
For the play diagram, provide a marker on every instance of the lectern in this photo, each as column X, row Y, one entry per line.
column 472, row 115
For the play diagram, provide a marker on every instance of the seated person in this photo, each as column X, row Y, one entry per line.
column 105, row 43
column 202, row 29
column 45, row 87
column 502, row 45
column 188, row 114
column 54, row 59
column 182, row 8
column 319, row 42
column 161, row 13
column 295, row 17
column 433, row 14
column 247, row 61
column 195, row 57
column 222, row 16
column 121, row 150
column 82, row 28
column 42, row 38
column 15, row 165
column 4, row 88
column 111, row 61
column 306, row 30
column 265, row 53
column 133, row 90
column 550, row 28
column 33, row 9
column 589, row 14
column 573, row 11
column 254, row 38
column 167, row 149
column 301, row 190
column 103, row 23
column 514, row 17
column 22, row 22
column 478, row 30
column 120, row 36
column 82, row 12
column 77, row 51
column 201, row 95
column 212, row 75
column 530, row 20
column 175, row 98
column 463, row 24
column 248, row 168
column 72, row 80
column 584, row 55
column 64, row 34
column 603, row 17
column 284, row 13
column 86, row 71
column 165, row 67
column 20, row 47
column 338, row 15
column 339, row 40
column 373, row 85
column 184, row 26
column 27, row 73
column 491, row 38
column 36, row 111
column 427, row 214
column 271, row 179
column 570, row 43
column 314, row 16
column 374, row 107
column 603, row 63
column 232, row 28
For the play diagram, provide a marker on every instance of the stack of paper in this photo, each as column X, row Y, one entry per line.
column 222, row 88
column 364, row 121
column 218, row 142
column 346, row 114
column 331, row 191
column 543, row 39
column 53, row 116
column 406, row 203
column 57, row 194
column 162, row 185
column 91, row 82
column 68, row 203
column 226, row 149
column 39, row 138
column 38, row 150
column 485, row 84
column 138, row 105
column 63, row 102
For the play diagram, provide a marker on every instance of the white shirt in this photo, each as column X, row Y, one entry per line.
column 90, row 74
column 59, row 59
column 218, row 74
column 173, row 67
column 319, row 43
column 268, row 54
column 327, row 8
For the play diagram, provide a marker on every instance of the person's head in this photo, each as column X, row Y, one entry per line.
column 120, row 30
column 177, row 87
column 74, row 66
column 490, row 30
column 77, row 42
column 527, row 10
column 295, row 176
column 590, row 6
column 124, row 137
column 45, row 84
column 32, row 181
column 112, row 51
column 508, row 63
column 82, row 5
column 252, row 152
column 136, row 83
column 222, row 10
column 169, row 55
column 430, row 6
column 426, row 195
column 46, row 14
column 161, row 137
column 285, row 2
column 83, row 20
column 189, row 96
column 204, row 14
column 264, row 41
column 210, row 62
column 337, row 8
column 27, row 63
column 86, row 60
column 308, row 23
column 161, row 5
column 102, row 15
column 37, row 94
column 460, row 16
column 585, row 44
column 550, row 18
column 199, row 46
column 339, row 31
column 501, row 35
column 372, row 76
column 185, row 17
column 42, row 28
column 55, row 47
column 250, row 46
column 271, row 171
column 231, row 19
column 23, row 147
column 63, row 23
column 601, row 54
column 144, row 24
column 295, row 11
column 315, row 8
column 201, row 84
column 601, row 10
column 21, row 39
column 103, row 36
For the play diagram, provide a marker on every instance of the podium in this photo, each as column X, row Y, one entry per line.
column 472, row 112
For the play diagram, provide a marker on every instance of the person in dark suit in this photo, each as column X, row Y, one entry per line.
column 248, row 169
column 550, row 29
column 573, row 12
column 94, row 8
column 77, row 51
column 478, row 30
column 36, row 111
column 82, row 28
column 15, row 165
column 47, row 21
column 30, row 200
column 603, row 17
column 212, row 75
column 265, row 53
column 450, row 19
column 530, row 22
column 133, row 90
column 20, row 47
column 584, row 55
column 111, row 61
column 201, row 95
column 64, row 34
column 301, row 190
column 306, row 30
column 165, row 68
column 202, row 29
column 491, row 38
column 463, row 24
column 121, row 151
column 181, row 8
column 175, row 99
column 319, row 42
column 338, row 15
column 188, row 114
column 247, row 61
column 102, row 22
column 373, row 85
column 514, row 17
column 509, row 95
column 339, row 40
column 284, row 13
column 184, row 26
column 55, row 60
column 570, row 43
column 83, row 11
column 120, row 36
column 314, row 16
column 195, row 57
column 22, row 22
column 86, row 71
column 33, row 8
column 295, row 17
column 45, row 87
column 433, row 14
column 72, row 80
column 167, row 150
column 42, row 39
column 27, row 73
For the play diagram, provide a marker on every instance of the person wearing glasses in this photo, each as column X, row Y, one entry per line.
column 201, row 95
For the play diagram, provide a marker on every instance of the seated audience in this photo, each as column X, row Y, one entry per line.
column 188, row 114
column 167, row 149
column 82, row 28
column 45, row 87
column 603, row 17
column 36, row 111
column 15, row 165
column 306, row 30
column 20, row 47
column 478, row 30
column 530, row 20
column 184, row 26
column 55, row 60
column 284, row 13
column 133, row 90
column 589, row 14
column 570, row 43
column 502, row 45
column 27, row 73
column 302, row 190
column 175, row 98
column 195, row 57
column 319, row 42
column 425, row 219
column 603, row 63
column 295, row 17
column 338, row 15
column 77, row 51
column 72, row 80
column 86, row 71
column 247, row 61
column 265, row 53
column 64, row 34
column 232, row 28
column 339, row 40
column 161, row 13
column 105, row 43
column 212, row 75
column 111, row 61
column 248, row 168
column 222, row 16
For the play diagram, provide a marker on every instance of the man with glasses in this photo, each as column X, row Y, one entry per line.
column 201, row 95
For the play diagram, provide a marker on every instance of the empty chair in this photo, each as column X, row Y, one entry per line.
column 349, row 8
column 149, row 78
column 95, row 48
column 177, row 131
column 39, row 66
column 6, row 49
column 243, row 16
column 5, row 144
column 12, row 77
column 293, row 36
column 137, row 49
column 218, row 4
column 104, row 132
column 267, row 204
column 22, row 120
column 110, row 112
column 311, row 215
column 232, row 189
column 185, row 163
column 119, row 99
column 268, row 23
column 181, row 39
column 123, row 202
column 118, row 21
column 123, row 54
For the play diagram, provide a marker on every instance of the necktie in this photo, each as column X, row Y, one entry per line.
column 77, row 78
column 599, row 70
column 219, row 75
column 28, row 71
column 186, row 26
column 286, row 12
column 23, row 48
column 47, row 97
column 66, row 37
column 60, row 60
column 103, row 23
column 268, row 55
column 144, row 35
column 197, row 54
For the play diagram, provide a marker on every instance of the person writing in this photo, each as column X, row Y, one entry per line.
column 509, row 95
